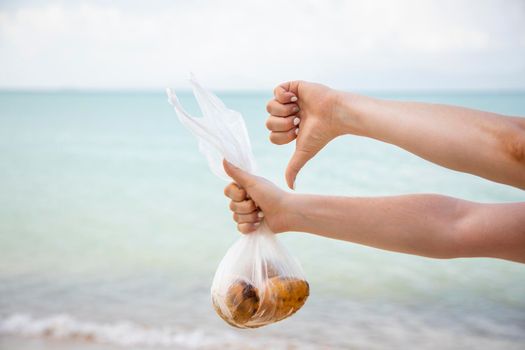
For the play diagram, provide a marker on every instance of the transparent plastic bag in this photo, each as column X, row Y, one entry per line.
column 257, row 282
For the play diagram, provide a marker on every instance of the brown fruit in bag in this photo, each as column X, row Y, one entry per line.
column 283, row 296
column 242, row 300
column 246, row 306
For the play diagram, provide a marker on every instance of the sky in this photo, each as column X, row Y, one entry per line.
column 253, row 45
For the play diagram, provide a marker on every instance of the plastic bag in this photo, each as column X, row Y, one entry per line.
column 257, row 282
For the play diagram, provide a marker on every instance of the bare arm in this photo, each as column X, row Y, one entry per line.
column 428, row 225
column 481, row 143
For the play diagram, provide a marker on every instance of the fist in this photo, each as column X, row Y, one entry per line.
column 246, row 213
column 305, row 112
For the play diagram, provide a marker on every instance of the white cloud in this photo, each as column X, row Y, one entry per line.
column 254, row 44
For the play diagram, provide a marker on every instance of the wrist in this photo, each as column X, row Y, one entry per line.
column 348, row 113
column 290, row 213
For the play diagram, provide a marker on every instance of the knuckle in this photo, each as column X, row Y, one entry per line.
column 280, row 141
column 236, row 195
column 273, row 137
column 227, row 190
column 284, row 138
column 269, row 106
column 244, row 207
column 242, row 194
column 276, row 139
column 269, row 123
column 289, row 122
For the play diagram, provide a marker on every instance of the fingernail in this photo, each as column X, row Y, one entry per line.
column 296, row 109
column 256, row 224
column 297, row 131
column 260, row 214
column 296, row 121
column 293, row 99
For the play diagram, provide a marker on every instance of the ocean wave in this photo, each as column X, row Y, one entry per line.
column 121, row 333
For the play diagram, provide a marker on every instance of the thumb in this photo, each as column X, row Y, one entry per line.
column 241, row 177
column 296, row 163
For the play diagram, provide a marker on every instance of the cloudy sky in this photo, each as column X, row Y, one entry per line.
column 426, row 44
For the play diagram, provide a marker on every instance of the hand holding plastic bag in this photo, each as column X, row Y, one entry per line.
column 257, row 282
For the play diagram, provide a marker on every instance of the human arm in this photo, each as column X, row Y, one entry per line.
column 428, row 225
column 476, row 142
column 481, row 143
column 424, row 224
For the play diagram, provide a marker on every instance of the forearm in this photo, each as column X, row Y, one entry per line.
column 428, row 225
column 480, row 143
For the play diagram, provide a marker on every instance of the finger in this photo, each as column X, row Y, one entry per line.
column 274, row 123
column 246, row 218
column 244, row 207
column 247, row 227
column 291, row 86
column 244, row 179
column 296, row 163
column 278, row 109
column 281, row 138
column 234, row 192
column 282, row 94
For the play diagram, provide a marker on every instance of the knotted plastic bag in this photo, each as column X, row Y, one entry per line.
column 257, row 282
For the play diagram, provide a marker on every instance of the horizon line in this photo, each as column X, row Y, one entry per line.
column 249, row 91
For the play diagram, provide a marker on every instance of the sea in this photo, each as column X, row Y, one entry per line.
column 112, row 226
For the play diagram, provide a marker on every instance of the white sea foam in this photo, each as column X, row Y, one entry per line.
column 122, row 333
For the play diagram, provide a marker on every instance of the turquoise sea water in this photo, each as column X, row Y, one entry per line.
column 111, row 227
